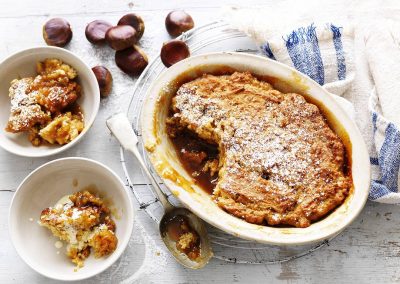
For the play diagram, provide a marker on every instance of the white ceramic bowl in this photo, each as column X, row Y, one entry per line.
column 165, row 161
column 43, row 188
column 23, row 64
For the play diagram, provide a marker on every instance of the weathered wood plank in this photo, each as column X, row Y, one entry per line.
column 32, row 8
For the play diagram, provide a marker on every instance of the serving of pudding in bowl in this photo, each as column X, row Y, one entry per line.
column 84, row 221
column 46, row 105
column 71, row 218
column 49, row 99
column 255, row 148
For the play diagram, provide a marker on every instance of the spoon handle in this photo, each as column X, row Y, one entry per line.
column 119, row 126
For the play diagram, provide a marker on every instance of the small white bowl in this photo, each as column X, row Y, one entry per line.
column 43, row 188
column 164, row 158
column 23, row 64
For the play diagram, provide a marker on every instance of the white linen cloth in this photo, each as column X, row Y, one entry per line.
column 341, row 50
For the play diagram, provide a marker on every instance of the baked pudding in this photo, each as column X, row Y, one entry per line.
column 186, row 239
column 84, row 222
column 45, row 106
column 265, row 156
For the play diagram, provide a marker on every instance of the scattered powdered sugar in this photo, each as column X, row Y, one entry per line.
column 18, row 93
column 68, row 205
column 76, row 213
column 23, row 104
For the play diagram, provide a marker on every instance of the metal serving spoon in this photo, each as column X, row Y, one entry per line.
column 119, row 126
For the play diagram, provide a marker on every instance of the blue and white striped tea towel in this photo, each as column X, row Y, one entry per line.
column 383, row 55
column 325, row 52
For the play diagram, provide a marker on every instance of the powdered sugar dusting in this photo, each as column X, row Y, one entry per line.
column 24, row 107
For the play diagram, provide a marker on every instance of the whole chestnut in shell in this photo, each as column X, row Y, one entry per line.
column 173, row 52
column 131, row 60
column 95, row 31
column 135, row 21
column 177, row 22
column 57, row 32
column 104, row 79
column 121, row 37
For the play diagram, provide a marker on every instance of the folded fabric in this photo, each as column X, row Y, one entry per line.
column 325, row 51
column 322, row 50
column 383, row 55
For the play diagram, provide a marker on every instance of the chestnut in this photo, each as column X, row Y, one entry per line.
column 131, row 60
column 95, row 31
column 57, row 32
column 177, row 22
column 174, row 51
column 135, row 21
column 121, row 37
column 104, row 79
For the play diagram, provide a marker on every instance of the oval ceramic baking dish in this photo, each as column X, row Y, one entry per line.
column 165, row 161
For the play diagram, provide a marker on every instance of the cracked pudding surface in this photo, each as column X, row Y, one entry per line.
column 278, row 161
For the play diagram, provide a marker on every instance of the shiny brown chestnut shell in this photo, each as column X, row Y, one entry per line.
column 173, row 52
column 121, row 37
column 57, row 32
column 177, row 22
column 135, row 21
column 104, row 79
column 131, row 60
column 95, row 31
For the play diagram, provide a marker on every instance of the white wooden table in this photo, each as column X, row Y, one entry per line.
column 368, row 251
